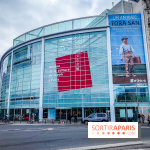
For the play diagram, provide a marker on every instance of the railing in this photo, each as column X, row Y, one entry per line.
column 44, row 121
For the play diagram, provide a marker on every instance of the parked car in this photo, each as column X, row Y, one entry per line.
column 96, row 117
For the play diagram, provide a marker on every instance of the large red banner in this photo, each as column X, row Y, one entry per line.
column 73, row 72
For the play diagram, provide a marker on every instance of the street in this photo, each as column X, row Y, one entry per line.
column 53, row 137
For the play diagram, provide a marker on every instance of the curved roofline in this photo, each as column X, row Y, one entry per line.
column 59, row 22
column 38, row 38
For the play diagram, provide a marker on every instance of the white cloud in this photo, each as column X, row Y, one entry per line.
column 20, row 16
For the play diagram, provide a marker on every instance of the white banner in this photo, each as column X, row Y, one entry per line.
column 112, row 129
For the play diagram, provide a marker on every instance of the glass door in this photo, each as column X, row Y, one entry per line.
column 126, row 114
column 132, row 114
column 63, row 114
column 58, row 114
column 68, row 113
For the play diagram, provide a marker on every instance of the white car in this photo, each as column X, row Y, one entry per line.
column 96, row 117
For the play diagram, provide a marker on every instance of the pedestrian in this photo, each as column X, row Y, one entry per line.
column 75, row 118
column 143, row 118
column 6, row 118
column 148, row 119
column 69, row 118
column 139, row 117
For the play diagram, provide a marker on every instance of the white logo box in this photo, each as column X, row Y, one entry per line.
column 112, row 129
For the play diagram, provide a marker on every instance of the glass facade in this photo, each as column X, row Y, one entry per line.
column 5, row 78
column 62, row 27
column 95, row 45
column 25, row 81
column 131, row 93
column 66, row 72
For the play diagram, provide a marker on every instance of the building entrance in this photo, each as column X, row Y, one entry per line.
column 126, row 114
column 63, row 113
column 24, row 114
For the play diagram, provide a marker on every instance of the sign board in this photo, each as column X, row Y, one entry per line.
column 122, row 113
column 127, row 47
column 51, row 113
column 73, row 72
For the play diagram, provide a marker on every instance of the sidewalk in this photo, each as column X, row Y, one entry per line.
column 135, row 145
column 144, row 124
column 41, row 123
column 51, row 123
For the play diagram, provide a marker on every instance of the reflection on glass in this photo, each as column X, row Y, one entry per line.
column 54, row 28
column 131, row 97
column 131, row 93
column 130, row 88
column 5, row 77
column 119, row 97
column 26, row 76
column 143, row 97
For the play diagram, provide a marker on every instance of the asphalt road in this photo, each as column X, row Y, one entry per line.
column 49, row 137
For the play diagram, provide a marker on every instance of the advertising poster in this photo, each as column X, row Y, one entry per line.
column 127, row 49
column 51, row 113
column 130, row 113
column 122, row 113
column 73, row 72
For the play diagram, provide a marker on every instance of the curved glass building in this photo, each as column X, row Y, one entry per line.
column 68, row 68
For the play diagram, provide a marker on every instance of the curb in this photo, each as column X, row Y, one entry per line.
column 47, row 124
column 99, row 147
column 5, row 123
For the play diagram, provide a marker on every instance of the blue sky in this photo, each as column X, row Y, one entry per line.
column 20, row 16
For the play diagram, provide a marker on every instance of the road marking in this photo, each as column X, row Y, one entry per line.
column 31, row 130
column 39, row 129
column 12, row 130
column 50, row 129
column 106, row 146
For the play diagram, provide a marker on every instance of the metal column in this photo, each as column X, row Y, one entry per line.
column 146, row 50
column 82, row 112
column 8, row 104
column 112, row 109
column 41, row 82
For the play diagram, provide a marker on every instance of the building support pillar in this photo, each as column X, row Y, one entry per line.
column 122, row 6
column 41, row 82
column 147, row 53
column 112, row 109
column 82, row 112
column 8, row 102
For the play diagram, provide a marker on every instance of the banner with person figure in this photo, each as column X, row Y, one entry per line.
column 127, row 49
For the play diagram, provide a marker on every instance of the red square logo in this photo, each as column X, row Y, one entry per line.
column 73, row 72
